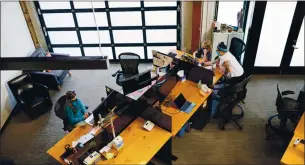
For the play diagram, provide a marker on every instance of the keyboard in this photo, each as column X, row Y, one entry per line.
column 90, row 120
column 187, row 107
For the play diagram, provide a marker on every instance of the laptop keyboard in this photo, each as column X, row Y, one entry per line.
column 187, row 107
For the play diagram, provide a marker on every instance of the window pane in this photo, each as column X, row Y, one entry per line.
column 126, row 18
column 106, row 51
column 248, row 25
column 124, row 4
column 91, row 37
column 128, row 36
column 63, row 37
column 161, row 18
column 227, row 12
column 71, row 51
column 87, row 5
column 298, row 54
column 274, row 33
column 162, row 49
column 161, row 35
column 54, row 5
column 152, row 4
column 137, row 50
column 87, row 19
column 66, row 20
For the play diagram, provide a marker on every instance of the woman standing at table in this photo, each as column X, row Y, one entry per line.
column 205, row 53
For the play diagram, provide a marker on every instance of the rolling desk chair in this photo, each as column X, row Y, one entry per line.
column 237, row 48
column 129, row 63
column 228, row 99
column 287, row 108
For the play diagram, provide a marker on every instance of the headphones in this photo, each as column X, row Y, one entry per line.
column 70, row 94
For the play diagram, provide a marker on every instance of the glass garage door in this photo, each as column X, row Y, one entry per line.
column 138, row 27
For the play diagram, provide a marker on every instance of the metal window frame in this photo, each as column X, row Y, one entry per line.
column 253, row 42
column 110, row 28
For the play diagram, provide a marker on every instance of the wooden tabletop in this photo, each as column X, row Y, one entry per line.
column 139, row 145
column 191, row 93
column 295, row 155
column 59, row 148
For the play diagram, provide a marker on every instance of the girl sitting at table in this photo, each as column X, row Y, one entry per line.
column 75, row 109
column 205, row 53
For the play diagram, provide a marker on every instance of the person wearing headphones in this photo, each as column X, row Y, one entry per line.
column 75, row 109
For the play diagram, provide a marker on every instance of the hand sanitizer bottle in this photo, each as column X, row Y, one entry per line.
column 199, row 84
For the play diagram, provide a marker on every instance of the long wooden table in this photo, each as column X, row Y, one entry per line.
column 295, row 155
column 191, row 93
column 139, row 145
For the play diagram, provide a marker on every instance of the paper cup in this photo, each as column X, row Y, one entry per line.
column 181, row 75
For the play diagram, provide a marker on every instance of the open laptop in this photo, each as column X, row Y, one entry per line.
column 184, row 105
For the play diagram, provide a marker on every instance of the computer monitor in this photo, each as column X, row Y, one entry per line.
column 160, row 59
column 113, row 99
column 105, row 106
column 195, row 73
column 137, row 82
column 167, row 85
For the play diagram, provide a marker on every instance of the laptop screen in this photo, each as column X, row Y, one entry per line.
column 179, row 101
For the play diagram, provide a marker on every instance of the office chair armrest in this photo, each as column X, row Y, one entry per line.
column 117, row 72
column 292, row 111
column 288, row 92
column 42, row 89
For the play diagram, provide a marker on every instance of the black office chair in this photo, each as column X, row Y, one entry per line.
column 33, row 97
column 237, row 48
column 228, row 98
column 59, row 110
column 129, row 63
column 287, row 108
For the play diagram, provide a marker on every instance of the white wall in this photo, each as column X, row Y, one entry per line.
column 16, row 41
column 186, row 21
